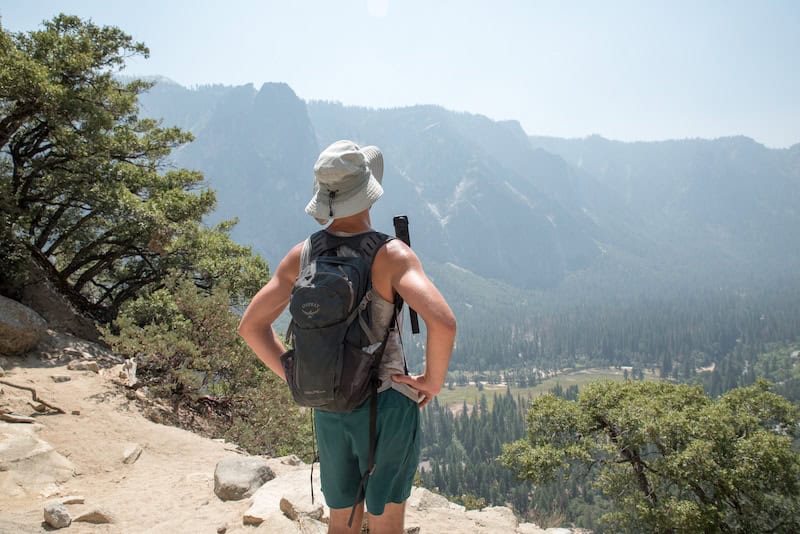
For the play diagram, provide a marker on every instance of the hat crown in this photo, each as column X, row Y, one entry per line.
column 347, row 180
column 340, row 162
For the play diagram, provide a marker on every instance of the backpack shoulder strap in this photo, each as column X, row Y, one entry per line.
column 371, row 243
column 319, row 243
column 305, row 254
column 366, row 244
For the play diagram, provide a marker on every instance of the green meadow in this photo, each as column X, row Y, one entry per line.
column 455, row 397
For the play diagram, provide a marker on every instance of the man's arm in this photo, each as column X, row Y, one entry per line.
column 417, row 290
column 256, row 324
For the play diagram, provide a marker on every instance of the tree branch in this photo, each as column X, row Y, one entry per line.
column 33, row 394
column 633, row 458
column 65, row 235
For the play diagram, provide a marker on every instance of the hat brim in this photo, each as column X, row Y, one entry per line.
column 362, row 199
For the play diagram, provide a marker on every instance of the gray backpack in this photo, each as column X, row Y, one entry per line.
column 333, row 365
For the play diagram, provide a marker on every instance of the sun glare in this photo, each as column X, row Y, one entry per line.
column 378, row 8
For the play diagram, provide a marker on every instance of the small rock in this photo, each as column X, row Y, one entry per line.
column 411, row 530
column 131, row 453
column 76, row 412
column 60, row 378
column 72, row 499
column 83, row 365
column 295, row 511
column 291, row 460
column 56, row 514
column 97, row 515
column 222, row 530
column 252, row 520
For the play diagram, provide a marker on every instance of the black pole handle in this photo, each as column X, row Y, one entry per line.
column 401, row 232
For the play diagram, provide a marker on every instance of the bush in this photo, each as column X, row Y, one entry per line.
column 188, row 353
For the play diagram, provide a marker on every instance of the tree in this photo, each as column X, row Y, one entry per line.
column 670, row 458
column 86, row 188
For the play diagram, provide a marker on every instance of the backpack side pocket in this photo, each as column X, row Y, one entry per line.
column 358, row 374
column 317, row 365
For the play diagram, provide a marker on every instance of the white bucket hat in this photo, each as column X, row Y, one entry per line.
column 347, row 180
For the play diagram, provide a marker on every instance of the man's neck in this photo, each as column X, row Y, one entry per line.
column 360, row 222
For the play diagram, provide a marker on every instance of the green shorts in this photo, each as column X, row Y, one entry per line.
column 343, row 443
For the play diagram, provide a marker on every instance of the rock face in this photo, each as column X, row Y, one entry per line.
column 28, row 464
column 40, row 295
column 293, row 485
column 423, row 500
column 21, row 328
column 238, row 477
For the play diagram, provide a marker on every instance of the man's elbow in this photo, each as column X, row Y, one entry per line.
column 243, row 329
column 448, row 326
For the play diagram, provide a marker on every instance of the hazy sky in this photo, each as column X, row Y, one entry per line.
column 629, row 70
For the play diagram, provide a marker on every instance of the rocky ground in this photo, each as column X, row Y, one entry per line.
column 102, row 466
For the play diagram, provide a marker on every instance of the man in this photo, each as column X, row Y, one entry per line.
column 347, row 181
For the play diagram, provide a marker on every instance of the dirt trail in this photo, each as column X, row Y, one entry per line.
column 168, row 489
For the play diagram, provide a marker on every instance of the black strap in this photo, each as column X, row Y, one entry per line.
column 315, row 456
column 373, row 413
column 366, row 244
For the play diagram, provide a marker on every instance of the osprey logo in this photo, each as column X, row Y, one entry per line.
column 310, row 309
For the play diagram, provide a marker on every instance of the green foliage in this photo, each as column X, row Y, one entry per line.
column 184, row 340
column 471, row 502
column 669, row 458
column 86, row 187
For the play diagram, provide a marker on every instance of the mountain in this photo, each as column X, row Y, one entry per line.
column 256, row 148
column 723, row 206
column 476, row 190
column 534, row 213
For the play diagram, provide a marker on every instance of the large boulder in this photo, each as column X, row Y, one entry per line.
column 238, row 477
column 21, row 328
column 40, row 294
column 28, row 464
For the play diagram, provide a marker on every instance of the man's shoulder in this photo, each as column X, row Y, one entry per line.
column 394, row 254
column 289, row 266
